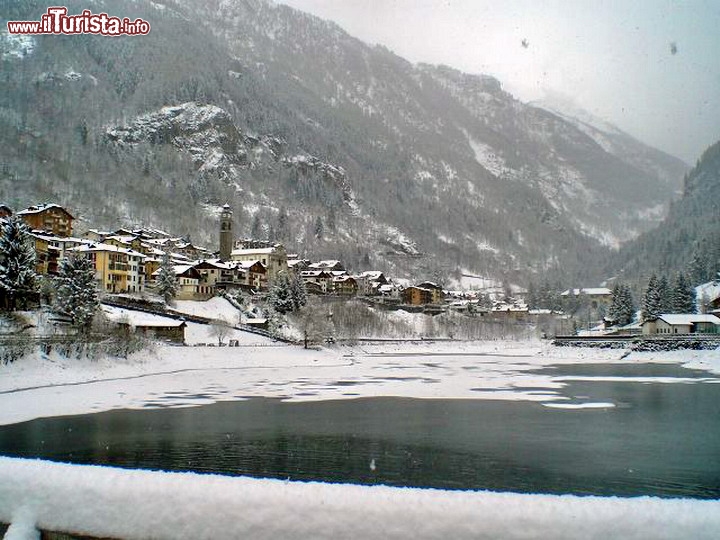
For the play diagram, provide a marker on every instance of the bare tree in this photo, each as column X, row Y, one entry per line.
column 313, row 320
column 220, row 328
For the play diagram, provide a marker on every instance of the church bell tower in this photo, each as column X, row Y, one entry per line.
column 226, row 234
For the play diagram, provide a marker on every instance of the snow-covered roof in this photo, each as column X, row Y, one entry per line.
column 258, row 251
column 372, row 275
column 36, row 209
column 107, row 247
column 326, row 264
column 315, row 273
column 121, row 238
column 429, row 285
column 708, row 292
column 248, row 264
column 217, row 263
column 590, row 291
column 139, row 318
column 690, row 318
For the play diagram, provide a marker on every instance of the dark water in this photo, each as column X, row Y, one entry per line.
column 659, row 439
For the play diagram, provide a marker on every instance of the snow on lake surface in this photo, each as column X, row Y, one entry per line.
column 168, row 376
column 104, row 501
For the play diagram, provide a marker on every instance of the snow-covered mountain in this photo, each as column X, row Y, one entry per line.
column 335, row 147
column 688, row 239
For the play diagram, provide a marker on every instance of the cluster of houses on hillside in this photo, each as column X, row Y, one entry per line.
column 128, row 260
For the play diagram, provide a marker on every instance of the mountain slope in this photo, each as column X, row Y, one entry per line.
column 689, row 237
column 316, row 139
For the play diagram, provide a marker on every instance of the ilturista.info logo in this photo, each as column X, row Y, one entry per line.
column 57, row 21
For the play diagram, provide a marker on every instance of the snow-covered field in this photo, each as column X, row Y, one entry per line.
column 118, row 503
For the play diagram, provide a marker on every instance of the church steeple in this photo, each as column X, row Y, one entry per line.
column 226, row 233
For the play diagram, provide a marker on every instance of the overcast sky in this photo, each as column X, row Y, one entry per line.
column 613, row 58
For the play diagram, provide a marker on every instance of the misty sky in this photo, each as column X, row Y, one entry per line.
column 613, row 58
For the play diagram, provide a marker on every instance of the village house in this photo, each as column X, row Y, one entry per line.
column 117, row 269
column 5, row 211
column 211, row 272
column 274, row 259
column 675, row 323
column 296, row 265
column 417, row 296
column 95, row 235
column 328, row 266
column 218, row 275
column 436, row 290
column 127, row 242
column 708, row 297
column 51, row 218
column 188, row 283
column 256, row 275
column 51, row 249
column 172, row 331
column 317, row 281
column 151, row 326
column 46, row 259
column 369, row 282
column 597, row 296
column 344, row 285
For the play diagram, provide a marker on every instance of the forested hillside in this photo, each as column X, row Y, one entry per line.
column 316, row 139
column 689, row 238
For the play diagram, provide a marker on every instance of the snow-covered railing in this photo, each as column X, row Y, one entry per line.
column 119, row 503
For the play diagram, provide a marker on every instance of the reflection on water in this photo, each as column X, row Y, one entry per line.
column 658, row 439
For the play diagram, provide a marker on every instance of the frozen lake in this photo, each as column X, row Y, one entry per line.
column 624, row 429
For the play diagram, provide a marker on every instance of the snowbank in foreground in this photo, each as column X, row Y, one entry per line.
column 119, row 503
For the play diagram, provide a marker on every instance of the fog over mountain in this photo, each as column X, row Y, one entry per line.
column 337, row 148
column 648, row 66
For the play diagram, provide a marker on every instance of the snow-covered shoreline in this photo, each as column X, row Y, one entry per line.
column 167, row 376
column 116, row 503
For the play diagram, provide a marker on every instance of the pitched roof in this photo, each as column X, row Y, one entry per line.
column 108, row 247
column 38, row 208
column 689, row 318
column 708, row 291
column 258, row 251
column 590, row 291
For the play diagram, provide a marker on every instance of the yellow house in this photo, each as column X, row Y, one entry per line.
column 127, row 242
column 116, row 269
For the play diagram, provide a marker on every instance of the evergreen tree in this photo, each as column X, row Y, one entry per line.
column 665, row 296
column 622, row 308
column 683, row 295
column 18, row 280
column 298, row 293
column 167, row 280
column 256, row 229
column 698, row 268
column 532, row 296
column 319, row 228
column 652, row 302
column 281, row 295
column 77, row 296
column 283, row 230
